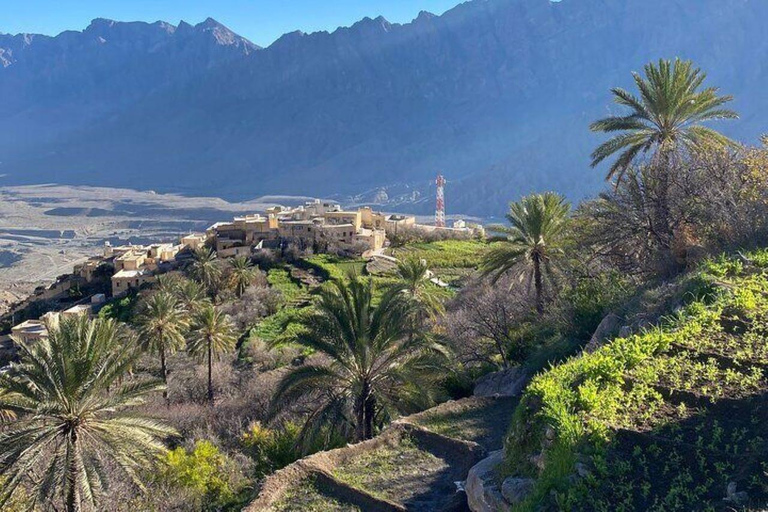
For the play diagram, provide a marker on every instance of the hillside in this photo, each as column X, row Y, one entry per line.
column 495, row 93
column 671, row 419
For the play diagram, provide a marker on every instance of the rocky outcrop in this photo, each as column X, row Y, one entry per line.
column 515, row 490
column 483, row 491
column 608, row 327
column 509, row 382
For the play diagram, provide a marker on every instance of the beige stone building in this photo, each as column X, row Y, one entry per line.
column 315, row 221
column 244, row 231
column 126, row 280
column 194, row 240
column 30, row 331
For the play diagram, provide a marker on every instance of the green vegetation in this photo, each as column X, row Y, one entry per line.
column 162, row 326
column 280, row 279
column 378, row 364
column 307, row 497
column 121, row 310
column 533, row 243
column 666, row 410
column 242, row 273
column 376, row 471
column 201, row 471
column 666, row 118
column 283, row 327
column 334, row 267
column 71, row 400
column 658, row 395
column 212, row 336
column 451, row 260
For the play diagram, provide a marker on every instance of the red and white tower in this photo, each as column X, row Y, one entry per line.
column 440, row 204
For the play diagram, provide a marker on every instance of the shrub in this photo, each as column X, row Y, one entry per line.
column 203, row 471
column 271, row 449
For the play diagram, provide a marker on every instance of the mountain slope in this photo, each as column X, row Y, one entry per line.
column 497, row 94
column 670, row 419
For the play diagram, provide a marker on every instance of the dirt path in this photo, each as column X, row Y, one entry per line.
column 413, row 466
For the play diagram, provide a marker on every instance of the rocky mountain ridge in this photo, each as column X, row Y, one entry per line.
column 496, row 94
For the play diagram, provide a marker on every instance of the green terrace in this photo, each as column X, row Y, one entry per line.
column 670, row 419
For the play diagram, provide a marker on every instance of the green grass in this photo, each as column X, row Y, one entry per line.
column 337, row 268
column 608, row 408
column 445, row 254
column 390, row 472
column 280, row 279
column 308, row 498
column 281, row 328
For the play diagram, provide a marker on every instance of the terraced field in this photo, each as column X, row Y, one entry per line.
column 413, row 466
column 673, row 419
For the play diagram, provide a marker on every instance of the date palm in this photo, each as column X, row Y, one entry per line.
column 162, row 324
column 414, row 283
column 372, row 367
column 242, row 273
column 213, row 335
column 666, row 117
column 72, row 396
column 206, row 271
column 532, row 242
column 191, row 296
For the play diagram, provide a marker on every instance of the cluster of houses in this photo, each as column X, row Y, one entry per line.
column 314, row 224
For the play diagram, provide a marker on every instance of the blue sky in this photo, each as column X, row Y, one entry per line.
column 261, row 21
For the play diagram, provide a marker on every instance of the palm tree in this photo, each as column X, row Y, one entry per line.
column 191, row 296
column 532, row 242
column 169, row 282
column 666, row 117
column 212, row 335
column 375, row 367
column 162, row 324
column 73, row 398
column 206, row 271
column 414, row 282
column 242, row 273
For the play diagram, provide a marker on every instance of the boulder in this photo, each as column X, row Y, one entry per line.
column 483, row 493
column 734, row 496
column 515, row 490
column 509, row 382
column 608, row 327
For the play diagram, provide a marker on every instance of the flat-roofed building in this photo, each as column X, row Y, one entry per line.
column 194, row 240
column 80, row 309
column 30, row 331
column 131, row 260
column 343, row 218
column 87, row 269
column 244, row 231
column 126, row 280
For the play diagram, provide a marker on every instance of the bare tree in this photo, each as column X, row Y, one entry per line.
column 484, row 320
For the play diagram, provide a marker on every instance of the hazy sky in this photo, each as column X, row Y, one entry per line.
column 261, row 21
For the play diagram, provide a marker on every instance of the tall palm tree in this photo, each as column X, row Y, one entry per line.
column 414, row 282
column 73, row 398
column 212, row 336
column 169, row 282
column 374, row 367
column 191, row 296
column 206, row 271
column 242, row 273
column 162, row 325
column 666, row 117
column 532, row 242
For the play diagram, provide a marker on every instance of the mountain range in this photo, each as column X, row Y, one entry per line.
column 495, row 94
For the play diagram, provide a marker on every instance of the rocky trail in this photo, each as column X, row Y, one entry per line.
column 414, row 465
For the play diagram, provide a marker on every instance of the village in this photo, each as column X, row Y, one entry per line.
column 320, row 226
